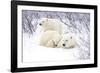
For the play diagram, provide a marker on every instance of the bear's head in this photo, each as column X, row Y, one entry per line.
column 44, row 22
column 67, row 42
column 48, row 24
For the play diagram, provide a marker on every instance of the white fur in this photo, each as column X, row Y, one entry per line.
column 50, row 38
column 51, row 24
column 68, row 41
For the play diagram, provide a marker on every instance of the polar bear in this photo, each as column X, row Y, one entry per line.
column 67, row 42
column 50, row 38
column 51, row 24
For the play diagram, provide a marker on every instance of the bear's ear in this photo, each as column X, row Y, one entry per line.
column 71, row 37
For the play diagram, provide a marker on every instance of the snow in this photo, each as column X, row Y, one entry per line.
column 38, row 53
column 32, row 52
column 76, row 24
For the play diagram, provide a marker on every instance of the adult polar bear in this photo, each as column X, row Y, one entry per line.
column 52, row 24
column 67, row 41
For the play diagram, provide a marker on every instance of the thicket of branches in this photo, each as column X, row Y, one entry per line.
column 76, row 21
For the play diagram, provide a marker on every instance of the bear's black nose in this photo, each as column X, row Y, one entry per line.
column 40, row 24
column 55, row 45
column 63, row 44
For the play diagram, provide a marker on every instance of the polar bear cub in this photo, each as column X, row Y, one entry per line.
column 67, row 42
column 50, row 38
column 51, row 24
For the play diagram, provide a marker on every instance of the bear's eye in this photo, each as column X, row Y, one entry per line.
column 66, row 40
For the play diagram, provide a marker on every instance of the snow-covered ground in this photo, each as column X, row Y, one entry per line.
column 32, row 52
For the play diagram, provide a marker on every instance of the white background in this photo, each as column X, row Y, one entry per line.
column 5, row 27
